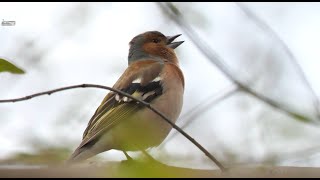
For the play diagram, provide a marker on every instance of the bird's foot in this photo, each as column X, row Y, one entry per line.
column 129, row 159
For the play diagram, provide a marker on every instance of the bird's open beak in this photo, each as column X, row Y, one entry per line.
column 172, row 44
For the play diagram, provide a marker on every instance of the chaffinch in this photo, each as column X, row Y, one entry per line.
column 120, row 123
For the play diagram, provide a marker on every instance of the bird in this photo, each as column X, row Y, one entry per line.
column 154, row 76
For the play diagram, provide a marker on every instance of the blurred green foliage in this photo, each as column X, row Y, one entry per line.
column 6, row 66
column 48, row 155
column 154, row 169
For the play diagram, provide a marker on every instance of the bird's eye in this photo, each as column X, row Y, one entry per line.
column 156, row 40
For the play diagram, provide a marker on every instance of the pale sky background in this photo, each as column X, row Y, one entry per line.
column 61, row 44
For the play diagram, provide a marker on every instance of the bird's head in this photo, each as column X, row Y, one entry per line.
column 153, row 45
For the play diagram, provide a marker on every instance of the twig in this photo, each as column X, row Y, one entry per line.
column 174, row 13
column 129, row 96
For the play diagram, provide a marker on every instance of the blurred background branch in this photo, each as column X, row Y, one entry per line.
column 268, row 30
column 173, row 12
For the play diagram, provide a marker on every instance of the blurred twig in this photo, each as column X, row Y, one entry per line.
column 172, row 11
column 202, row 107
column 284, row 157
column 129, row 96
column 299, row 155
column 268, row 30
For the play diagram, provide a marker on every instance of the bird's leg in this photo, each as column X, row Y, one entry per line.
column 148, row 155
column 127, row 156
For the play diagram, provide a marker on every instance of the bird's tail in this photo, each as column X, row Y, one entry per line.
column 80, row 154
column 89, row 148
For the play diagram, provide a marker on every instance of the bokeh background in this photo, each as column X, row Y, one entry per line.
column 272, row 48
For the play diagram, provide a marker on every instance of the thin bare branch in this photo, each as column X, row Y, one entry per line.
column 129, row 96
column 171, row 11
